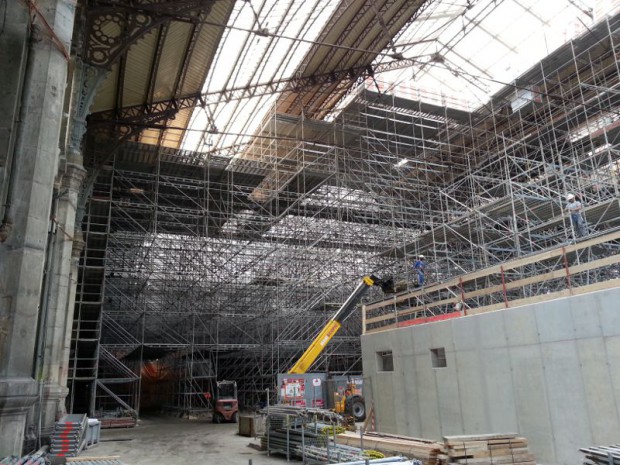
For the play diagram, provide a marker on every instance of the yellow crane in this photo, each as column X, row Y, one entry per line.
column 349, row 403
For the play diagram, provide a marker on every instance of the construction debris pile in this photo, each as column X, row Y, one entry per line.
column 602, row 455
column 311, row 435
column 485, row 449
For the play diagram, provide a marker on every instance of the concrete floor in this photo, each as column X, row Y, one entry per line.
column 165, row 441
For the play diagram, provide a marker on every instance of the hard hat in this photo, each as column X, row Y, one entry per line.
column 421, row 256
column 570, row 197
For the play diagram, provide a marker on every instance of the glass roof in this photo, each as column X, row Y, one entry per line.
column 264, row 41
column 464, row 51
column 467, row 50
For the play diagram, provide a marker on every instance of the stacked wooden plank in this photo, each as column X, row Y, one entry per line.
column 602, row 455
column 424, row 450
column 486, row 449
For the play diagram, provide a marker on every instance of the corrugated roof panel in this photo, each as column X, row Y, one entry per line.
column 150, row 136
column 172, row 59
column 245, row 58
column 347, row 30
column 200, row 59
column 361, row 36
column 177, row 38
column 205, row 47
column 137, row 69
column 173, row 137
column 170, row 137
column 106, row 94
column 361, row 30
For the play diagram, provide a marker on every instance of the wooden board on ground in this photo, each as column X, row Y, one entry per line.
column 519, row 442
column 399, row 437
column 522, row 457
column 508, row 441
column 478, row 437
column 498, row 452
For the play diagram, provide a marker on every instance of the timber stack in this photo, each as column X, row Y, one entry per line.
column 424, row 450
column 486, row 449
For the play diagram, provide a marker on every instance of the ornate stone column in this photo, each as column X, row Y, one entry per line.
column 22, row 254
column 61, row 293
column 68, row 244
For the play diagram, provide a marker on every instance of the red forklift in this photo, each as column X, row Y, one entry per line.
column 225, row 406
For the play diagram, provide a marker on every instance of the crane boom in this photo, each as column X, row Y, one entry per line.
column 334, row 324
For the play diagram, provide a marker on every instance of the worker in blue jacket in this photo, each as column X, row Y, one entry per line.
column 419, row 267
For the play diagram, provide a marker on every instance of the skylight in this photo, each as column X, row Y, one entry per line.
column 464, row 51
column 265, row 41
column 467, row 50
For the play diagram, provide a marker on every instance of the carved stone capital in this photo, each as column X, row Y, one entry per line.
column 87, row 80
column 78, row 244
column 73, row 177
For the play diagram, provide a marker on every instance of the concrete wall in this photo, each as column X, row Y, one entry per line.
column 550, row 372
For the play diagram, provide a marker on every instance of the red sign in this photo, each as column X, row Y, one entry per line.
column 428, row 319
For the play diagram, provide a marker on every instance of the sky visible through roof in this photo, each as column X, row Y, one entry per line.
column 471, row 49
column 246, row 58
column 465, row 50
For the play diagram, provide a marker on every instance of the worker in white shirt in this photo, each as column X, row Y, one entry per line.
column 575, row 209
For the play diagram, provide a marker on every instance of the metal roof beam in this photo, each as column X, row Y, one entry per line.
column 112, row 26
column 136, row 113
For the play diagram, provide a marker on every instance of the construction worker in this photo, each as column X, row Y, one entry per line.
column 419, row 267
column 575, row 209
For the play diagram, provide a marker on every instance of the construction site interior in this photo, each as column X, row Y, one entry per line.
column 229, row 172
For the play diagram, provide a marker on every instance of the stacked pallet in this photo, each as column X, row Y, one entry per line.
column 486, row 449
column 602, row 455
column 424, row 450
column 118, row 422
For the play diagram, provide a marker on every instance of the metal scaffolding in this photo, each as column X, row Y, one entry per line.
column 225, row 264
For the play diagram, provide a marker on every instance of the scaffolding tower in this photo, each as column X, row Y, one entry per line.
column 226, row 264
